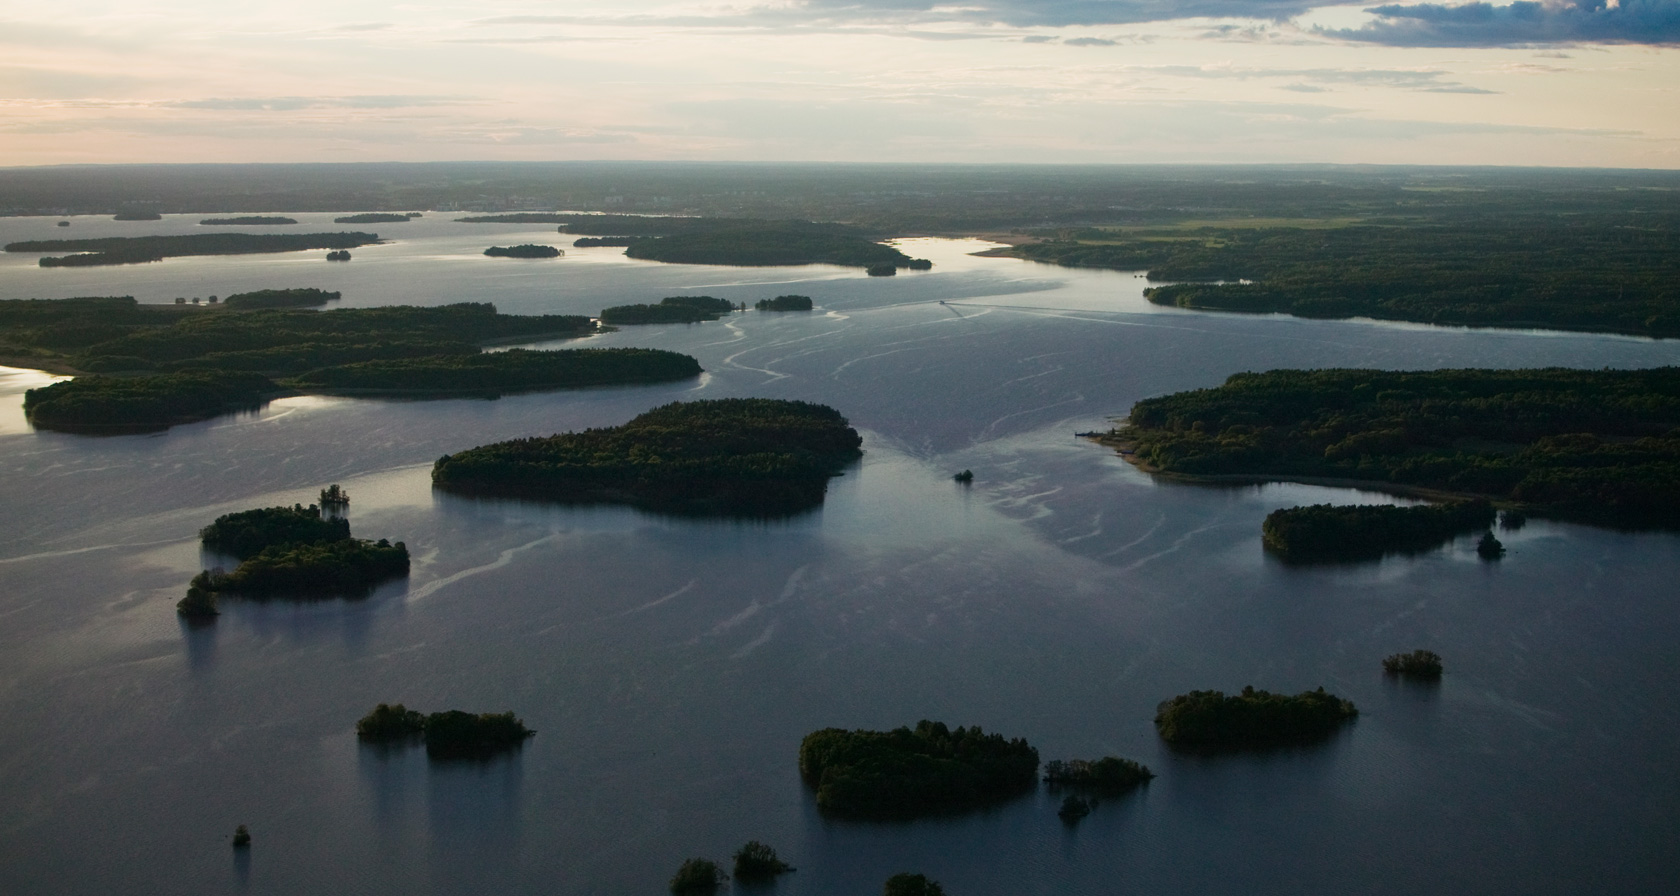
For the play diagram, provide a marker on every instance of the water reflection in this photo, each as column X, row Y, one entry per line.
column 474, row 810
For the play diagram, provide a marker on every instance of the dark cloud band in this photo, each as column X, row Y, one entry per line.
column 1522, row 23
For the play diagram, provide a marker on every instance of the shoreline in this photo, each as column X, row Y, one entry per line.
column 1127, row 451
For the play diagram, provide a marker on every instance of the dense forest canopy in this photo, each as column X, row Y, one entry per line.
column 1327, row 532
column 525, row 250
column 136, row 249
column 737, row 456
column 200, row 363
column 1212, row 720
column 280, row 298
column 670, row 310
column 507, row 371
column 1594, row 445
column 769, row 243
column 248, row 221
column 1619, row 273
column 906, row 772
column 249, row 532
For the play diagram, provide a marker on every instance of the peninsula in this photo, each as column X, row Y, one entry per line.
column 1598, row 446
column 731, row 457
column 1593, row 271
column 165, row 365
column 139, row 249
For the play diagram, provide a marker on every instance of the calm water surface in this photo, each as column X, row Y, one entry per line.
column 672, row 666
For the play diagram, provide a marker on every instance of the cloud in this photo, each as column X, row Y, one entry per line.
column 1015, row 13
column 1311, row 80
column 295, row 103
column 1089, row 42
column 1522, row 23
column 1054, row 13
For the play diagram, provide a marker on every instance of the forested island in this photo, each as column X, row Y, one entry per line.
column 248, row 221
column 339, row 255
column 180, row 364
column 735, row 457
column 770, row 243
column 452, row 734
column 526, row 250
column 247, row 533
column 140, row 249
column 377, row 218
column 785, row 303
column 291, row 551
column 670, row 310
column 496, row 373
column 1424, row 665
column 907, row 773
column 1600, row 446
column 1252, row 719
column 120, row 404
column 1328, row 532
column 280, row 298
column 1603, row 273
column 1108, row 776
column 585, row 242
column 742, row 242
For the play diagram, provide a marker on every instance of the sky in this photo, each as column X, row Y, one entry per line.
column 1553, row 82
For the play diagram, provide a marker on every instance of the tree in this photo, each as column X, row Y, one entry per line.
column 756, row 861
column 907, row 884
column 698, row 876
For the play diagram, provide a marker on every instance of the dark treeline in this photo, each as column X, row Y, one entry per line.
column 906, row 773
column 191, row 337
column 1620, row 274
column 770, row 243
column 137, row 216
column 280, row 298
column 1329, row 532
column 1424, row 665
column 96, row 403
column 585, row 242
column 1108, row 776
column 785, row 303
column 247, row 533
column 740, row 456
column 248, row 221
column 508, row 371
column 348, row 567
column 900, row 198
column 526, row 250
column 670, row 310
column 452, row 734
column 1211, row 720
column 205, row 363
column 132, row 249
column 1594, row 445
column 376, row 218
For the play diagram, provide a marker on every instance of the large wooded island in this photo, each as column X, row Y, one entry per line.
column 734, row 456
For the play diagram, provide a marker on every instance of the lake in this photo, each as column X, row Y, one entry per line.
column 671, row 666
